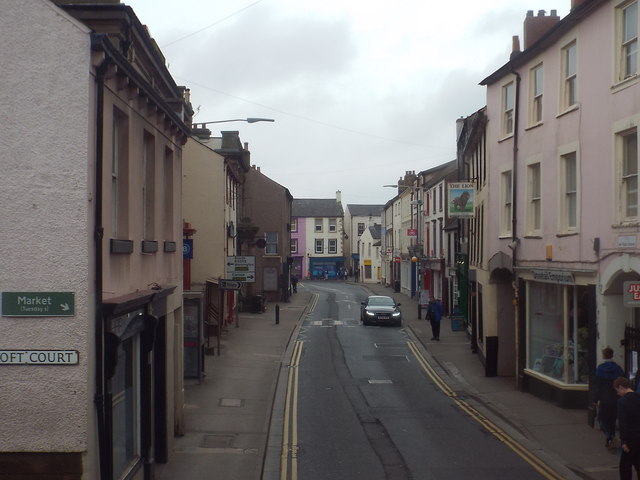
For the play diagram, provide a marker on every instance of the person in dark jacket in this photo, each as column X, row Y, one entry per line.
column 434, row 315
column 605, row 396
column 629, row 422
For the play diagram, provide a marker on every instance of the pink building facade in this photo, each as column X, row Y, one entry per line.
column 562, row 145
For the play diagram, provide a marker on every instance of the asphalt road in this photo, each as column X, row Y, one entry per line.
column 362, row 404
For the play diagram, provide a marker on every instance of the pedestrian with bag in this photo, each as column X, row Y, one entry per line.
column 605, row 396
column 629, row 423
column 434, row 315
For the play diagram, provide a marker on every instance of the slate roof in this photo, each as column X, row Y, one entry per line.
column 365, row 210
column 376, row 231
column 314, row 207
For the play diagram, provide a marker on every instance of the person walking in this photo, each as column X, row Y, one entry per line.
column 629, row 423
column 605, row 396
column 294, row 283
column 434, row 315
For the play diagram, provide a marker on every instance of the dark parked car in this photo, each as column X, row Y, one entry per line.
column 380, row 309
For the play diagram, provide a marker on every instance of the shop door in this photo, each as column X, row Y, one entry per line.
column 631, row 349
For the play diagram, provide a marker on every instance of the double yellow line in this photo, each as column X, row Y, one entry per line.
column 541, row 467
column 290, row 428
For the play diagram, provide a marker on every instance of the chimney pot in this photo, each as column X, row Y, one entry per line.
column 536, row 27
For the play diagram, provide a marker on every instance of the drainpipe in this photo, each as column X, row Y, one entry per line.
column 100, row 400
column 514, row 233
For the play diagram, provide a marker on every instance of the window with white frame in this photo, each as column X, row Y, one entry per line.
column 333, row 225
column 535, row 200
column 294, row 224
column 148, row 186
column 627, row 144
column 119, row 175
column 627, row 16
column 507, row 199
column 168, row 194
column 360, row 228
column 271, row 247
column 570, row 76
column 294, row 245
column 535, row 108
column 569, row 193
column 318, row 225
column 319, row 245
column 508, row 106
column 333, row 245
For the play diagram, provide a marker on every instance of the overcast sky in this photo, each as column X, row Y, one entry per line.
column 361, row 90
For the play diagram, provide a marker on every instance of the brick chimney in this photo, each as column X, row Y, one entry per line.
column 535, row 27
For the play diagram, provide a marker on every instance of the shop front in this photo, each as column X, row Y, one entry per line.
column 559, row 335
column 325, row 267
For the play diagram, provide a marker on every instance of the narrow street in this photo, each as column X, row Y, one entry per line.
column 363, row 403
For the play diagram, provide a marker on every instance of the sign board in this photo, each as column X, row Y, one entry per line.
column 241, row 268
column 187, row 248
column 270, row 279
column 38, row 304
column 631, row 294
column 553, row 276
column 412, row 232
column 230, row 284
column 627, row 241
column 461, row 200
column 39, row 357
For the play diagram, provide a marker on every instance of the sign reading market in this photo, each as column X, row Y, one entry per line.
column 461, row 199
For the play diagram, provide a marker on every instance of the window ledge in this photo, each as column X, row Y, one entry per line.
column 572, row 108
column 566, row 234
column 534, row 125
column 626, row 83
column 505, row 138
column 533, row 236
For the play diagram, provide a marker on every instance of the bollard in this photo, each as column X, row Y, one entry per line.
column 277, row 314
column 419, row 311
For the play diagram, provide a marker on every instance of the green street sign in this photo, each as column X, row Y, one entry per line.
column 38, row 304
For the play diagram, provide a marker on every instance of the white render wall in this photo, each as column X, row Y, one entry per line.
column 45, row 234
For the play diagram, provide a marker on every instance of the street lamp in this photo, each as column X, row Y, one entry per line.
column 248, row 120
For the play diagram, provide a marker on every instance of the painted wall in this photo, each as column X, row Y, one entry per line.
column 203, row 189
column 46, row 202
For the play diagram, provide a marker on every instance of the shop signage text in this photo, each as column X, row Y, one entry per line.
column 38, row 304
column 38, row 357
column 553, row 276
column 631, row 294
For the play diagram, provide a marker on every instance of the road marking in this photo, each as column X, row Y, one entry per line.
column 290, row 427
column 540, row 466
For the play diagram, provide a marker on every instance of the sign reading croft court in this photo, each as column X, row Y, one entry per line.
column 38, row 304
column 38, row 357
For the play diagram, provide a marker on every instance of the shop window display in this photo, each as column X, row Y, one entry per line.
column 557, row 337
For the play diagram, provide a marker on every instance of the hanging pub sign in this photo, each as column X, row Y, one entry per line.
column 461, row 199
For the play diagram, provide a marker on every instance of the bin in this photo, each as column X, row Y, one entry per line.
column 257, row 303
column 457, row 323
column 396, row 286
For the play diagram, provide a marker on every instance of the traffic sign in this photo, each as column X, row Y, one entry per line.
column 38, row 304
column 241, row 268
column 230, row 284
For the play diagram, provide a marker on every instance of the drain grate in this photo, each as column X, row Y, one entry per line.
column 230, row 402
column 217, row 441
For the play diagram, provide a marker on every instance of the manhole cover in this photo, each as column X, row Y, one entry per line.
column 217, row 441
column 230, row 402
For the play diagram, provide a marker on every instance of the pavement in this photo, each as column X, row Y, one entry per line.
column 232, row 434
